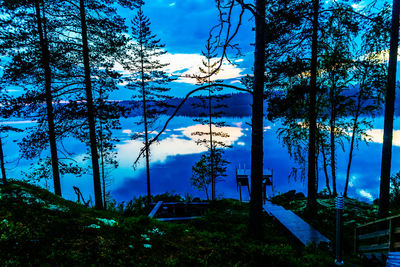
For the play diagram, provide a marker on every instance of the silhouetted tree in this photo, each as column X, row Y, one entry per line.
column 203, row 176
column 213, row 105
column 389, row 113
column 147, row 78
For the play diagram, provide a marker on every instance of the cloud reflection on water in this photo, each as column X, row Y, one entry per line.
column 175, row 144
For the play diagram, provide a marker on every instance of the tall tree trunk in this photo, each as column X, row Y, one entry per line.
column 332, row 136
column 90, row 110
column 255, row 223
column 103, row 176
column 3, row 169
column 389, row 114
column 146, row 135
column 325, row 168
column 353, row 137
column 49, row 100
column 211, row 135
column 312, row 194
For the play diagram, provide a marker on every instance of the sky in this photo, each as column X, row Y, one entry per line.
column 183, row 26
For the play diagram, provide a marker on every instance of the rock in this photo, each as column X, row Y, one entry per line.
column 57, row 208
column 108, row 222
column 94, row 226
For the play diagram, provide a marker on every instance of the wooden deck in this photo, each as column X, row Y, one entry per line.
column 304, row 232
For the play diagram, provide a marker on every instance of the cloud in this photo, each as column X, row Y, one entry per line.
column 365, row 194
column 376, row 136
column 127, row 131
column 229, row 134
column 184, row 144
column 189, row 64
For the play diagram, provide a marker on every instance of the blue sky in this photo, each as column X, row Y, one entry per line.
column 184, row 28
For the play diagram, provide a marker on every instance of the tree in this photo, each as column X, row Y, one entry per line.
column 211, row 167
column 21, row 18
column 211, row 103
column 389, row 114
column 312, row 194
column 370, row 75
column 147, row 78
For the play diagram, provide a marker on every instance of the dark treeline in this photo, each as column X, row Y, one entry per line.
column 235, row 105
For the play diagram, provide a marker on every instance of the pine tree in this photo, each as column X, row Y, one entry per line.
column 212, row 104
column 27, row 20
column 148, row 79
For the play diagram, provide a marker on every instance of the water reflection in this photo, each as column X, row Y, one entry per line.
column 174, row 155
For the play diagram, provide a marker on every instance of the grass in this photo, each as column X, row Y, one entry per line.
column 39, row 228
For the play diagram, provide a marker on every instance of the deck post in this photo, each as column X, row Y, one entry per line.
column 339, row 234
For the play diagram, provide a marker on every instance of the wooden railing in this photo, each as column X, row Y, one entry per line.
column 378, row 238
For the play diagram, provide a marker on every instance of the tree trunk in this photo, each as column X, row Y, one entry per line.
column 312, row 194
column 103, row 176
column 3, row 169
column 90, row 110
column 353, row 136
column 389, row 114
column 211, row 135
column 146, row 136
column 49, row 101
column 332, row 136
column 255, row 223
column 325, row 168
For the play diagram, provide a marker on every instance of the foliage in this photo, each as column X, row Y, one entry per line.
column 395, row 191
column 36, row 235
column 201, row 170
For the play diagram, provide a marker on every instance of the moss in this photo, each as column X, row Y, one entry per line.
column 32, row 234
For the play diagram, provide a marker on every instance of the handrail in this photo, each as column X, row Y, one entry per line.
column 380, row 220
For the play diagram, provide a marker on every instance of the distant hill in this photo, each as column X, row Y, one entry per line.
column 237, row 105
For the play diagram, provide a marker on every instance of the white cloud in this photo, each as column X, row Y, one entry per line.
column 189, row 64
column 173, row 145
column 232, row 133
column 376, row 136
column 127, row 131
column 172, row 4
column 365, row 194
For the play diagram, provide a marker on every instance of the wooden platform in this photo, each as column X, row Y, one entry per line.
column 304, row 232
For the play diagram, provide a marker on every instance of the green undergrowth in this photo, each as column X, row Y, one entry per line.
column 38, row 228
column 354, row 214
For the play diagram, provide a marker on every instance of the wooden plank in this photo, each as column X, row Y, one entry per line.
column 185, row 203
column 155, row 209
column 374, row 247
column 305, row 233
column 374, row 235
column 177, row 219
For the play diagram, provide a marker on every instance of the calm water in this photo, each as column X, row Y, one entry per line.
column 173, row 157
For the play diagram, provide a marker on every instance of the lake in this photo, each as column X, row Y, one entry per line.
column 173, row 156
